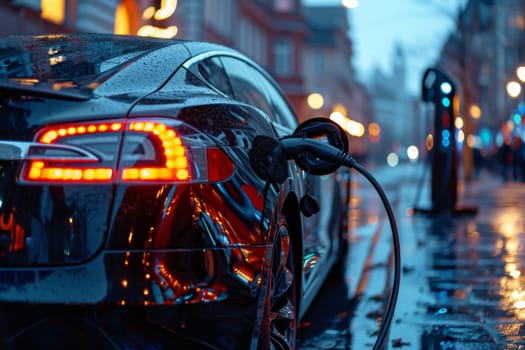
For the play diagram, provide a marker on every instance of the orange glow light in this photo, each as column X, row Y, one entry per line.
column 122, row 23
column 429, row 142
column 176, row 164
column 374, row 129
column 37, row 171
column 53, row 10
column 53, row 134
column 40, row 170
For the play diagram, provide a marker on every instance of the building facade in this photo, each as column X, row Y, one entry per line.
column 328, row 71
column 483, row 55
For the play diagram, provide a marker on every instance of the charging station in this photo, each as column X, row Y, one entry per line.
column 440, row 90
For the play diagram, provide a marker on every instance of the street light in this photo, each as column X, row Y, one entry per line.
column 520, row 73
column 315, row 101
column 513, row 89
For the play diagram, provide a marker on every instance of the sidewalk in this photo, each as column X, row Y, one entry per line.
column 370, row 231
column 463, row 276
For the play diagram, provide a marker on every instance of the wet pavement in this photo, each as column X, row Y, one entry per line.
column 463, row 276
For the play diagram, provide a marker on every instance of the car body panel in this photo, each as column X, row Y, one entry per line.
column 184, row 245
column 319, row 251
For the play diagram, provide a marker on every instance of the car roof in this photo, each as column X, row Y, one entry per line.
column 73, row 65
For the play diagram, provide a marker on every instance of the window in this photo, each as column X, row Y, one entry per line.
column 53, row 10
column 318, row 59
column 213, row 72
column 252, row 86
column 126, row 18
column 122, row 26
column 283, row 55
column 280, row 108
column 252, row 41
column 512, row 58
column 515, row 24
column 245, row 84
column 219, row 15
column 485, row 16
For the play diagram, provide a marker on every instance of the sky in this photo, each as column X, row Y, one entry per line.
column 419, row 26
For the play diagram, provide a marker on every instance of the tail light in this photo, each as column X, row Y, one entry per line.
column 142, row 151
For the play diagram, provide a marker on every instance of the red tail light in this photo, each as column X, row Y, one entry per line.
column 175, row 162
column 134, row 151
column 56, row 158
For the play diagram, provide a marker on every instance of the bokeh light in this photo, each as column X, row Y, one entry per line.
column 412, row 152
column 458, row 123
column 513, row 89
column 350, row 4
column 315, row 100
column 520, row 72
column 475, row 111
column 446, row 88
column 374, row 132
column 352, row 127
column 461, row 136
column 429, row 142
column 392, row 159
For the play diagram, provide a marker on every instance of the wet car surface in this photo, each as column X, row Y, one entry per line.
column 131, row 215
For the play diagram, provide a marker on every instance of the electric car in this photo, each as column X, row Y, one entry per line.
column 136, row 211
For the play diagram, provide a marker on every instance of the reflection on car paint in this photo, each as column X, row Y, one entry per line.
column 147, row 263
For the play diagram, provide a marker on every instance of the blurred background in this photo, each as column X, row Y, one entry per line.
column 358, row 63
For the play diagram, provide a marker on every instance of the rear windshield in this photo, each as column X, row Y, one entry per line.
column 76, row 57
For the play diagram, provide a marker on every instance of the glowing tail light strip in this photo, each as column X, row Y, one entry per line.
column 50, row 136
column 79, row 166
column 38, row 171
column 176, row 165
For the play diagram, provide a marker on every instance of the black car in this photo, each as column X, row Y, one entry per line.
column 135, row 211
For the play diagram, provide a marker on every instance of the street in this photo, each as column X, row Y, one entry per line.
column 169, row 174
column 461, row 280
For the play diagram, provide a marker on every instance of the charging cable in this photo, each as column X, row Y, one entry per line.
column 309, row 150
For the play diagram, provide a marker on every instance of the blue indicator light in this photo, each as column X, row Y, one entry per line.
column 445, row 102
column 442, row 311
column 445, row 134
column 445, row 142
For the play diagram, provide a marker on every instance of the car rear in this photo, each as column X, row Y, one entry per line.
column 114, row 228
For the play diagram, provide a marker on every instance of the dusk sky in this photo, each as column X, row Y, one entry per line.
column 420, row 26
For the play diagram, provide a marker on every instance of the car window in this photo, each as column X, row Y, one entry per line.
column 55, row 58
column 246, row 84
column 273, row 102
column 281, row 110
column 213, row 72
